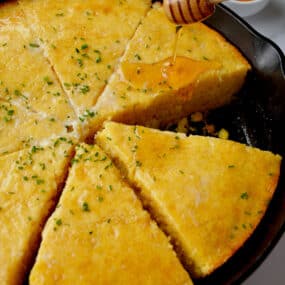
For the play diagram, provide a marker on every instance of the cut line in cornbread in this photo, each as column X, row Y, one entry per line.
column 33, row 106
column 209, row 194
column 99, row 233
column 154, row 85
column 30, row 182
column 83, row 41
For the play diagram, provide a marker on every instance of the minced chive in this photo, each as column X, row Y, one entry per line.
column 48, row 80
column 244, row 196
column 80, row 62
column 84, row 46
column 43, row 166
column 138, row 57
column 34, row 45
column 84, row 89
column 138, row 163
column 10, row 112
column 40, row 181
column 85, row 207
column 98, row 59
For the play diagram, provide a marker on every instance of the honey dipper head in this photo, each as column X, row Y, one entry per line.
column 188, row 11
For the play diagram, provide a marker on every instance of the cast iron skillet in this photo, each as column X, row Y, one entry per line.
column 255, row 118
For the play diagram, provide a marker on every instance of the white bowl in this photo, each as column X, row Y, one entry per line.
column 246, row 8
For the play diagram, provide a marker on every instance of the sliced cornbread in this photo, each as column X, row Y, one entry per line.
column 151, row 86
column 208, row 193
column 31, row 99
column 83, row 41
column 99, row 233
column 57, row 63
column 29, row 184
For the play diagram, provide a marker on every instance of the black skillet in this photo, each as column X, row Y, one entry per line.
column 256, row 118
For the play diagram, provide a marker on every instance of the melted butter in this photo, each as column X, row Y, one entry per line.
column 166, row 74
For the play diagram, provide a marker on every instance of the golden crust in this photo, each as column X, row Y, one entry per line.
column 29, row 185
column 31, row 99
column 84, row 42
column 100, row 234
column 123, row 101
column 209, row 194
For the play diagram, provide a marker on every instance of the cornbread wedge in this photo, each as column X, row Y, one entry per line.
column 208, row 193
column 83, row 41
column 99, row 233
column 151, row 86
column 29, row 184
column 31, row 99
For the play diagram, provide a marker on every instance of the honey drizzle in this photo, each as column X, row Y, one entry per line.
column 178, row 30
column 165, row 75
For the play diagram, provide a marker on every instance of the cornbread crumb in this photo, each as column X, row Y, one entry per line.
column 223, row 134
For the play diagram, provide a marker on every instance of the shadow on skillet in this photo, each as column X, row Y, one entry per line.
column 256, row 118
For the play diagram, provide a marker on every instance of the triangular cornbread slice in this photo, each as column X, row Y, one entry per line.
column 29, row 185
column 205, row 74
column 33, row 106
column 209, row 193
column 99, row 233
column 83, row 41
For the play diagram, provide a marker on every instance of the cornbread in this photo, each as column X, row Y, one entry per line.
column 83, row 40
column 208, row 193
column 29, row 183
column 99, row 233
column 156, row 85
column 66, row 67
column 31, row 99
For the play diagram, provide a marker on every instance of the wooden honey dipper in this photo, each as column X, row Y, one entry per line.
column 189, row 11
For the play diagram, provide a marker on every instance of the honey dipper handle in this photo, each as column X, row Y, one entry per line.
column 189, row 11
